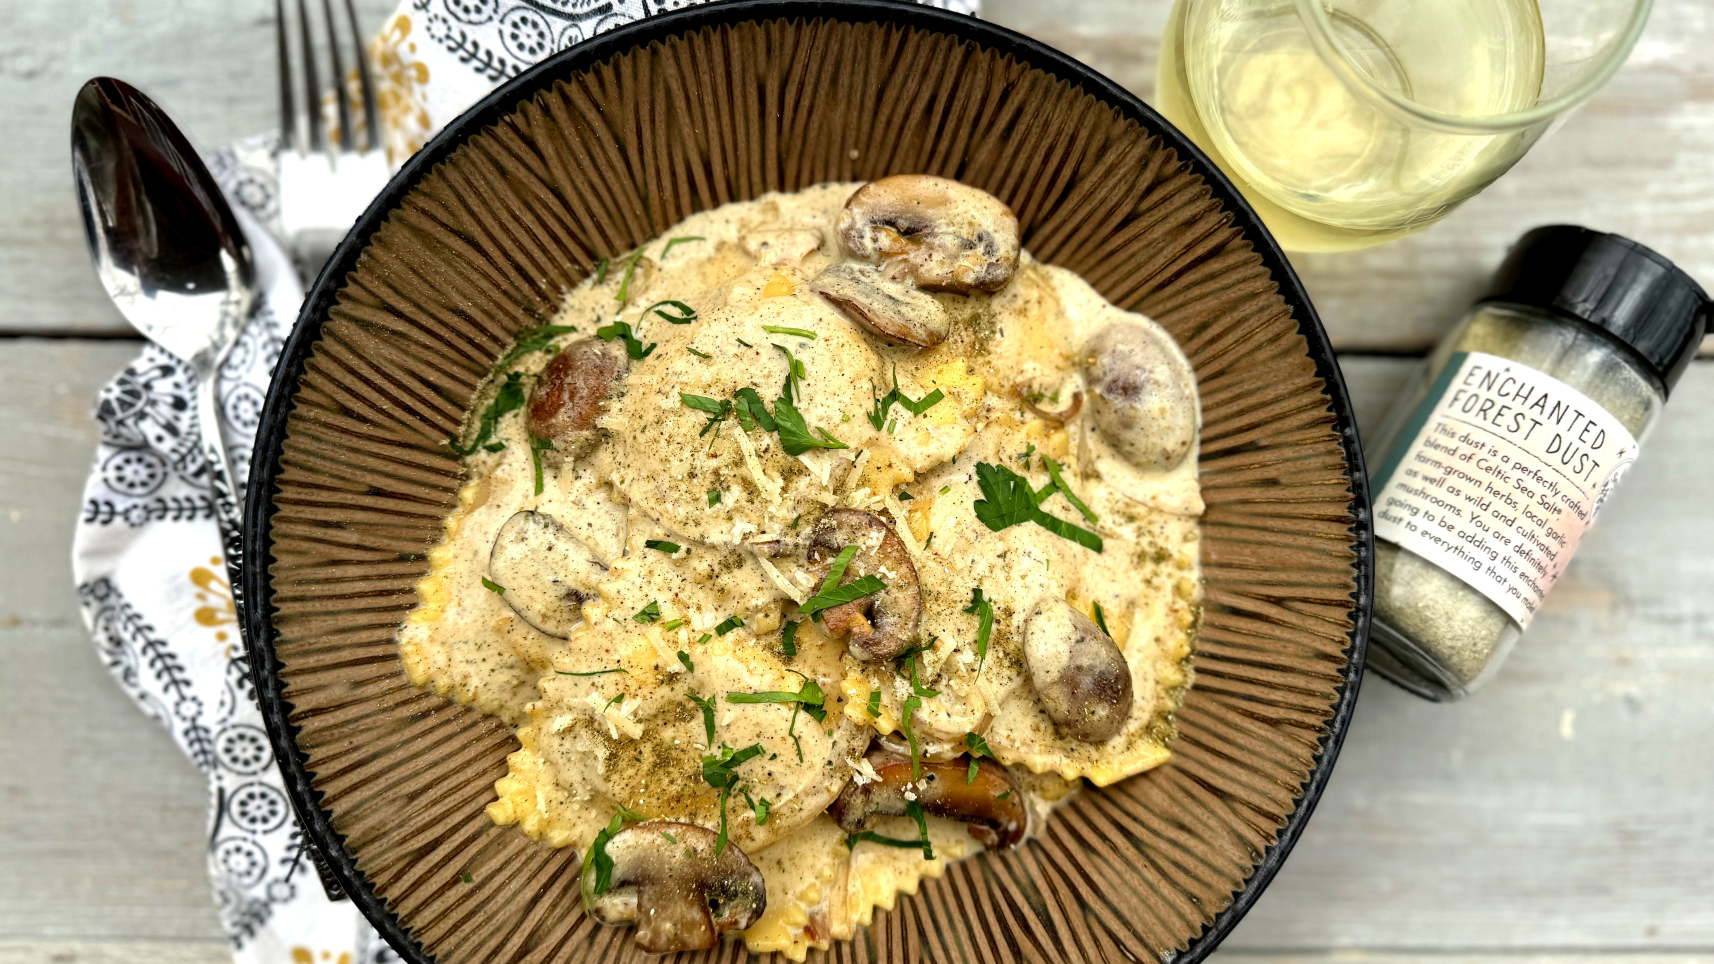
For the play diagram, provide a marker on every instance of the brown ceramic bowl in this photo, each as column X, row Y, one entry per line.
column 610, row 143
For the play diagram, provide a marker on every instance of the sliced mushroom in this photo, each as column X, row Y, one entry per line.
column 884, row 624
column 890, row 309
column 668, row 880
column 953, row 237
column 1081, row 677
column 1143, row 395
column 569, row 394
column 993, row 804
column 547, row 572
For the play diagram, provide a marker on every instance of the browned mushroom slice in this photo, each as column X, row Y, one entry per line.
column 568, row 395
column 668, row 880
column 547, row 572
column 1079, row 674
column 1142, row 395
column 884, row 624
column 954, row 237
column 992, row 804
column 892, row 310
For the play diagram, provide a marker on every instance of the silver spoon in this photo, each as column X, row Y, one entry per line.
column 174, row 260
column 170, row 254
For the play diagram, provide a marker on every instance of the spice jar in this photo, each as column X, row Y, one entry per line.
column 1499, row 454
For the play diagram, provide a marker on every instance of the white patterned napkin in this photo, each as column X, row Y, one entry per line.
column 146, row 554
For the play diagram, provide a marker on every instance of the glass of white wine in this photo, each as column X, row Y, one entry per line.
column 1347, row 123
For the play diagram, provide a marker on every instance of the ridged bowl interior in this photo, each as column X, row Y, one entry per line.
column 609, row 145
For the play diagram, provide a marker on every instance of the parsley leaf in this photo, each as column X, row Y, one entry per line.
column 509, row 398
column 794, row 332
column 1053, row 469
column 672, row 624
column 978, row 748
column 684, row 658
column 598, row 858
column 598, row 672
column 840, row 595
column 661, row 545
column 763, row 808
column 493, row 586
column 675, row 242
column 1008, row 500
column 727, row 625
column 752, row 412
column 533, row 340
column 601, row 270
column 633, row 347
column 810, row 692
column 697, row 353
column 983, row 609
column 685, row 314
column 720, row 772
column 874, row 703
column 713, row 498
column 717, row 410
column 795, row 436
column 1101, row 620
column 624, row 294
column 788, row 638
column 913, row 809
column 878, row 414
column 648, row 614
column 537, row 447
column 707, row 706
column 794, row 374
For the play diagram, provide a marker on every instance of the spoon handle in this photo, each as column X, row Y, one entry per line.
column 227, row 513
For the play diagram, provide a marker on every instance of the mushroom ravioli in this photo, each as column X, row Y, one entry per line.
column 820, row 541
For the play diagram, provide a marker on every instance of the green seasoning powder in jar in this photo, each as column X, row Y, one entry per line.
column 1498, row 456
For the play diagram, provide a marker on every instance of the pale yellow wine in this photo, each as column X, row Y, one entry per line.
column 1324, row 169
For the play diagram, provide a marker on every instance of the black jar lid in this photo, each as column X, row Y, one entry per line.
column 1613, row 283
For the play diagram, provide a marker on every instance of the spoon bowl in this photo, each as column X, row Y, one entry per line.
column 164, row 241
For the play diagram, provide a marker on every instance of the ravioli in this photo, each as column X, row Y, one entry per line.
column 703, row 669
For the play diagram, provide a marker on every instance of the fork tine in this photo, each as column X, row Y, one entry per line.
column 312, row 95
column 371, row 112
column 347, row 135
column 288, row 109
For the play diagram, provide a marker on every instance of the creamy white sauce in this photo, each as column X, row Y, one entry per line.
column 591, row 742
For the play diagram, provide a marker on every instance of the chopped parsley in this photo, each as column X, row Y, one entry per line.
column 598, row 858
column 508, row 399
column 533, row 340
column 670, row 837
column 1101, row 620
column 1024, row 456
column 624, row 294
column 465, row 878
column 795, row 520
column 788, row 638
column 684, row 658
column 705, row 637
column 792, row 389
column 912, row 704
column 601, row 270
column 661, row 545
column 810, row 693
column 675, row 242
column 707, row 706
column 744, row 343
column 905, row 496
column 913, row 809
column 978, row 748
column 983, row 609
column 1008, row 500
column 495, row 447
column 717, row 410
column 727, row 625
column 672, row 624
column 945, row 489
column 537, row 447
column 928, row 542
column 795, row 436
column 493, row 586
column 874, row 703
column 752, row 412
column 794, row 332
column 696, row 353
column 648, row 614
column 721, row 773
column 633, row 347
column 681, row 313
column 763, row 808
column 1053, row 470
column 598, row 672
column 878, row 414
column 833, row 594
column 713, row 498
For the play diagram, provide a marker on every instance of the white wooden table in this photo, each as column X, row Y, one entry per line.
column 1565, row 814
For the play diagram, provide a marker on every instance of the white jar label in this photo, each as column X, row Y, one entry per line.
column 1497, row 474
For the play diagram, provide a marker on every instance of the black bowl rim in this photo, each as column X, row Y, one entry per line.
column 271, row 432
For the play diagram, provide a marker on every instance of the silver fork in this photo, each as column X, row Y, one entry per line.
column 324, row 186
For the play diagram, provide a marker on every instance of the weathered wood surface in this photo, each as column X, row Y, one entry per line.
column 1561, row 814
